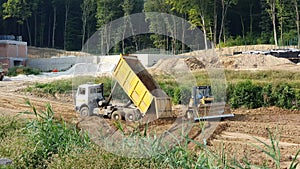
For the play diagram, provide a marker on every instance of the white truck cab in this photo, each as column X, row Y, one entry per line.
column 88, row 97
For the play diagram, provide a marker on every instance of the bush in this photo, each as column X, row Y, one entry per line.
column 50, row 137
column 285, row 96
column 14, row 71
column 253, row 96
column 60, row 86
column 181, row 95
column 246, row 94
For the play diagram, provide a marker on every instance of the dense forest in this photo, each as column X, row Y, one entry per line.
column 67, row 24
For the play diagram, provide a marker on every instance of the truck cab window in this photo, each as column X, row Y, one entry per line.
column 82, row 91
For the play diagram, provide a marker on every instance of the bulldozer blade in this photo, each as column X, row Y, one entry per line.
column 213, row 117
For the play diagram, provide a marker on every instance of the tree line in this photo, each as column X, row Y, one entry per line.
column 67, row 24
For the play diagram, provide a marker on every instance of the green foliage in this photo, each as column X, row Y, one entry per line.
column 8, row 125
column 14, row 71
column 16, row 9
column 246, row 94
column 60, row 86
column 273, row 150
column 181, row 95
column 285, row 96
column 50, row 137
column 250, row 95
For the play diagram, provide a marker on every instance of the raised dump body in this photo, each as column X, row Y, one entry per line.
column 141, row 88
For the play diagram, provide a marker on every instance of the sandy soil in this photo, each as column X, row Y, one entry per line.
column 236, row 135
column 13, row 102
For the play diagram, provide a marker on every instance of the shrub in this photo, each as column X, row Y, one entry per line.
column 14, row 71
column 246, row 94
column 60, row 86
column 50, row 137
column 285, row 96
column 181, row 95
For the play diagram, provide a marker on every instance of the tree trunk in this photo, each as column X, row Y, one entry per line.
column 134, row 37
column 297, row 21
column 84, row 20
column 28, row 31
column 204, row 32
column 124, row 32
column 53, row 28
column 42, row 27
column 243, row 27
column 49, row 32
column 222, row 21
column 215, row 22
column 35, row 28
column 251, row 18
column 66, row 20
column 183, row 35
column 274, row 23
column 83, row 31
column 281, row 31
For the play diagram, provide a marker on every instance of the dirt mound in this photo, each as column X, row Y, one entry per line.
column 247, row 61
column 194, row 63
column 35, row 52
column 167, row 65
column 224, row 58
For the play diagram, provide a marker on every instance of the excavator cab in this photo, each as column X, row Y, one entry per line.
column 201, row 95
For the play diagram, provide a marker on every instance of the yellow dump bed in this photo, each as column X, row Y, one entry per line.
column 139, row 85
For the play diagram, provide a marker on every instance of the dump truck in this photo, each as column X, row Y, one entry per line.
column 202, row 105
column 146, row 97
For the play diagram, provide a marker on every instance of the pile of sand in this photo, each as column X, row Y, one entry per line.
column 202, row 59
column 248, row 61
column 194, row 64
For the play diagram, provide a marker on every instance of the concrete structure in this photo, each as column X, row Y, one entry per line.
column 107, row 62
column 61, row 63
column 12, row 53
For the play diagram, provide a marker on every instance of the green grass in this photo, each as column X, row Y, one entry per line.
column 14, row 71
column 59, row 86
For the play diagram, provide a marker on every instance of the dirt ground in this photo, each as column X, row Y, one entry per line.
column 236, row 135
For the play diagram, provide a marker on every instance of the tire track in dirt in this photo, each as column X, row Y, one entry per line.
column 237, row 135
column 16, row 103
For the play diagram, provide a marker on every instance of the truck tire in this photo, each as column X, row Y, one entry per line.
column 189, row 114
column 84, row 111
column 116, row 115
column 130, row 116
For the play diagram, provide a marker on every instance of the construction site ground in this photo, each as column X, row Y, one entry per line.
column 237, row 135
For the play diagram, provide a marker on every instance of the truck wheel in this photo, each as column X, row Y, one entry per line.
column 116, row 115
column 84, row 111
column 189, row 114
column 130, row 116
